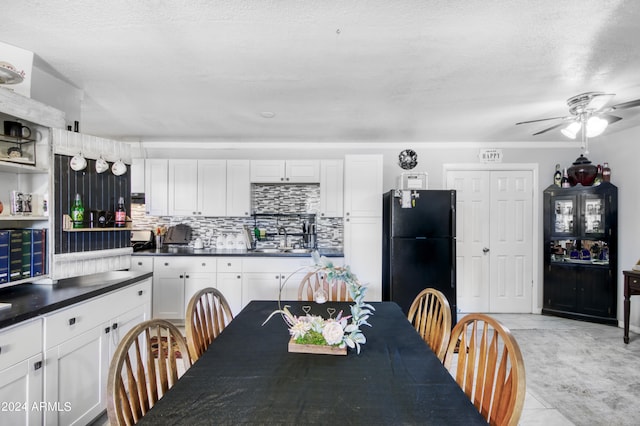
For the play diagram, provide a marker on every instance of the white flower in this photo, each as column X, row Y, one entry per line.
column 299, row 329
column 333, row 332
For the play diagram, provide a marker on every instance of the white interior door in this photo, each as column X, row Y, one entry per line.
column 494, row 239
column 472, row 238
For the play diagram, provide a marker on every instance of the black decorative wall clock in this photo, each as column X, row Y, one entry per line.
column 408, row 159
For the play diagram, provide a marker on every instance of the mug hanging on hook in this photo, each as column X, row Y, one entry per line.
column 119, row 168
column 101, row 165
column 78, row 162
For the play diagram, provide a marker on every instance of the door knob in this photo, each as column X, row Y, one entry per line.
column 485, row 250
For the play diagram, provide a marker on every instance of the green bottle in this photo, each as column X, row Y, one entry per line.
column 77, row 212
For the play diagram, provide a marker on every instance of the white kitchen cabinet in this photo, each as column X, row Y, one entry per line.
column 137, row 175
column 212, row 187
column 183, row 187
column 229, row 281
column 281, row 171
column 238, row 188
column 79, row 342
column 142, row 263
column 197, row 187
column 363, row 220
column 262, row 278
column 331, row 188
column 175, row 280
column 363, row 185
column 21, row 381
column 74, row 374
column 156, row 187
column 363, row 252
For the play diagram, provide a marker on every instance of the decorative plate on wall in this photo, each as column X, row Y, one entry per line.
column 408, row 159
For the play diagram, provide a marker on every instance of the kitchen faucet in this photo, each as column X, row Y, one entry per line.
column 282, row 230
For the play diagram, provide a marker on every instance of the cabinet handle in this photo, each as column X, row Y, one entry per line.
column 114, row 325
column 246, row 213
column 281, row 179
column 139, row 263
column 282, row 276
column 238, row 276
column 321, row 214
column 194, row 212
column 287, row 179
column 140, row 292
column 186, row 276
column 347, row 220
column 37, row 365
column 0, row 349
column 229, row 264
column 166, row 263
column 277, row 277
column 181, row 276
column 72, row 321
column 347, row 213
column 204, row 264
column 107, row 330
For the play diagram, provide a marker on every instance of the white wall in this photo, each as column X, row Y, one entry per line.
column 54, row 92
column 622, row 151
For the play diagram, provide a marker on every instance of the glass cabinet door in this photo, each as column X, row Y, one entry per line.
column 594, row 215
column 562, row 216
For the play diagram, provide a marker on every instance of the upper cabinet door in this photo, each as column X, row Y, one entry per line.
column 302, row 171
column 267, row 171
column 156, row 181
column 212, row 187
column 363, row 186
column 137, row 175
column 281, row 171
column 183, row 188
column 238, row 188
column 331, row 188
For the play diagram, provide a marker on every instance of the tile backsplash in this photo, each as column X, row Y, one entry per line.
column 266, row 198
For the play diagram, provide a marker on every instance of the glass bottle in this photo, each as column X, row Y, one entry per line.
column 121, row 214
column 598, row 180
column 557, row 176
column 564, row 183
column 606, row 172
column 77, row 212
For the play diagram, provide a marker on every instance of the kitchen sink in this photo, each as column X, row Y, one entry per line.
column 267, row 250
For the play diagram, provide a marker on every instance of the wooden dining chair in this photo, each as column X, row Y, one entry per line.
column 316, row 280
column 144, row 367
column 430, row 314
column 488, row 367
column 208, row 313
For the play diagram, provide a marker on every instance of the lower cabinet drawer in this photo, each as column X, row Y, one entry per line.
column 20, row 342
column 75, row 320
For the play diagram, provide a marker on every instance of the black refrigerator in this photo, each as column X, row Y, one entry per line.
column 419, row 245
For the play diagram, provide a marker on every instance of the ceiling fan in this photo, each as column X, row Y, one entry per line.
column 589, row 113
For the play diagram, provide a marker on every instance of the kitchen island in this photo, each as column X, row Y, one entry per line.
column 56, row 343
column 31, row 300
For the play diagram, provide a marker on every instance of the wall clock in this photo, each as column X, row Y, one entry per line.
column 408, row 159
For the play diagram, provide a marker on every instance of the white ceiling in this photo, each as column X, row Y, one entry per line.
column 356, row 71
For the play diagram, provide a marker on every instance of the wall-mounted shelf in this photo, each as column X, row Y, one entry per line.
column 25, row 218
column 67, row 226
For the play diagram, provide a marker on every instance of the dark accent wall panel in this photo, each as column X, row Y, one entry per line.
column 99, row 191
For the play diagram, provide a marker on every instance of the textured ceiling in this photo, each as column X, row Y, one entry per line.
column 325, row 70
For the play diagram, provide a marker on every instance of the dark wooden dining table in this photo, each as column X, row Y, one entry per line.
column 247, row 376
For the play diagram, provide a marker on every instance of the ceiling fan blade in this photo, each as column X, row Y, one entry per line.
column 625, row 105
column 611, row 118
column 548, row 129
column 542, row 119
column 599, row 100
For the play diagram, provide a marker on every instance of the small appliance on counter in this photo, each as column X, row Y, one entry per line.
column 142, row 240
column 178, row 234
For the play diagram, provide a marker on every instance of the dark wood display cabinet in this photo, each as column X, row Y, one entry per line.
column 580, row 252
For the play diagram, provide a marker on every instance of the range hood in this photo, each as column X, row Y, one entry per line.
column 137, row 198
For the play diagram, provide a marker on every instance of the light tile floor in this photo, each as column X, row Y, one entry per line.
column 536, row 410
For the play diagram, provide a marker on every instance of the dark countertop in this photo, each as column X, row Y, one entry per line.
column 190, row 251
column 30, row 300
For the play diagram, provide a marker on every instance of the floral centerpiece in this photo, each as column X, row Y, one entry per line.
column 340, row 332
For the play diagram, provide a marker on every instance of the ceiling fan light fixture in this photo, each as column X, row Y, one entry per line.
column 595, row 126
column 571, row 130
